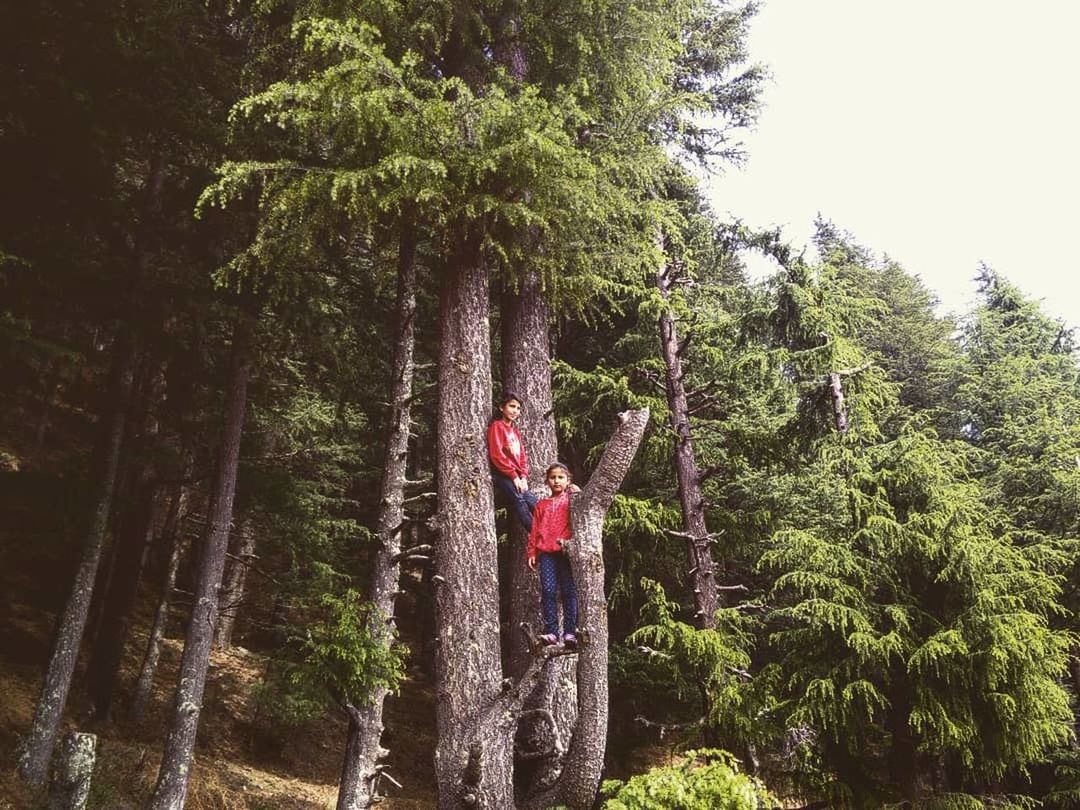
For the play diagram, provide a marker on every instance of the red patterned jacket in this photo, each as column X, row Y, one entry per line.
column 551, row 523
column 506, row 450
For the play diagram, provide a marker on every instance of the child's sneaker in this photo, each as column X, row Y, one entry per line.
column 549, row 638
column 570, row 640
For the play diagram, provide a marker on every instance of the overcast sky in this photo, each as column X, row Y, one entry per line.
column 940, row 132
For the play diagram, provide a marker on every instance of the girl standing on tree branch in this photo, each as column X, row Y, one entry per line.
column 549, row 535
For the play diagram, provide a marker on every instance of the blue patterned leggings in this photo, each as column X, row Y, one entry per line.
column 555, row 575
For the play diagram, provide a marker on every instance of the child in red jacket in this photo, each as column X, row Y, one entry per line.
column 550, row 530
column 509, row 462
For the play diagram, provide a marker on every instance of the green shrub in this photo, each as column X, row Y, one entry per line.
column 706, row 779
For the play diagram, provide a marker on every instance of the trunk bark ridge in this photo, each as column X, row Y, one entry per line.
column 467, row 657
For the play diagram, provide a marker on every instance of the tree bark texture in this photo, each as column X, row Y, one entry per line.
column 48, row 713
column 526, row 355
column 69, row 787
column 702, row 575
column 580, row 776
column 470, row 772
column 232, row 591
column 173, row 538
column 359, row 774
column 136, row 532
column 171, row 788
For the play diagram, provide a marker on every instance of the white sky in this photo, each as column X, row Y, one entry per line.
column 942, row 133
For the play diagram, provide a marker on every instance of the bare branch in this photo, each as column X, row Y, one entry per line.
column 665, row 728
column 245, row 560
column 711, row 537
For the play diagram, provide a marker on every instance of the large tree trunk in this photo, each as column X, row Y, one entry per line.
column 580, row 777
column 363, row 749
column 176, row 761
column 552, row 707
column 232, row 592
column 471, row 771
column 136, row 532
column 173, row 539
column 40, row 739
column 526, row 356
column 699, row 555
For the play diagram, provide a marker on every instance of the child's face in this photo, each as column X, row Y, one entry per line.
column 558, row 481
column 511, row 410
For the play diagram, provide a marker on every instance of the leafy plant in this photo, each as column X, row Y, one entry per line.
column 706, row 779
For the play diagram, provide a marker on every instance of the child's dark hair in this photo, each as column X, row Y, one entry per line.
column 558, row 465
column 509, row 395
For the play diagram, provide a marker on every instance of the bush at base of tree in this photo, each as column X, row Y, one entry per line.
column 706, row 779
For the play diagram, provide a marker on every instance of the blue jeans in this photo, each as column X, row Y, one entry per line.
column 521, row 503
column 555, row 573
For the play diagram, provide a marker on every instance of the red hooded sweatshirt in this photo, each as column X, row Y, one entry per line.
column 506, row 449
column 551, row 523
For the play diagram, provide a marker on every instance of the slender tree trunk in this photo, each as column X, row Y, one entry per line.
column 177, row 759
column 232, row 592
column 136, row 532
column 699, row 555
column 580, row 777
column 471, row 772
column 48, row 713
column 364, row 749
column 172, row 538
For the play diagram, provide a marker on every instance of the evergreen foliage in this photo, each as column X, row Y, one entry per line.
column 705, row 779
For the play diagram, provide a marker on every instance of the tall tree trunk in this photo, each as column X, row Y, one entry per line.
column 470, row 772
column 526, row 355
column 172, row 538
column 364, row 749
column 40, row 739
column 176, row 761
column 580, row 777
column 232, row 592
column 699, row 555
column 136, row 532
